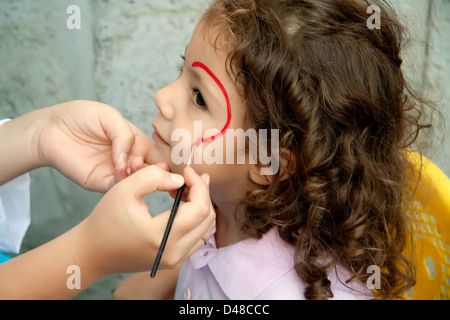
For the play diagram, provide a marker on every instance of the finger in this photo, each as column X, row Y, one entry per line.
column 196, row 184
column 189, row 232
column 151, row 179
column 120, row 171
column 118, row 130
column 205, row 177
column 142, row 144
column 136, row 164
column 194, row 220
column 188, row 229
column 106, row 184
column 198, row 199
column 163, row 166
column 193, row 238
column 173, row 194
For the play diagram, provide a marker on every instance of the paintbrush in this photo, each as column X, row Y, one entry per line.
column 173, row 212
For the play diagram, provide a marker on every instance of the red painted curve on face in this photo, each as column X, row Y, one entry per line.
column 197, row 64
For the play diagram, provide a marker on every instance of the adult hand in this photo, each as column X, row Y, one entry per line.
column 90, row 143
column 120, row 235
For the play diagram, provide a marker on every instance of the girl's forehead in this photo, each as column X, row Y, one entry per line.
column 209, row 38
column 201, row 49
column 198, row 43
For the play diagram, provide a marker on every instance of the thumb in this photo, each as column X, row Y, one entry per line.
column 151, row 179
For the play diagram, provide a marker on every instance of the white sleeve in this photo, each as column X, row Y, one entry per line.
column 14, row 212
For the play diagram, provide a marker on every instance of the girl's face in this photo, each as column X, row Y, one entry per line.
column 195, row 96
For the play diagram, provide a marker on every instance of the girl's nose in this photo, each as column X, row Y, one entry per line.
column 165, row 101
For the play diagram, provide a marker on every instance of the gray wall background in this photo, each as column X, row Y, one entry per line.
column 124, row 52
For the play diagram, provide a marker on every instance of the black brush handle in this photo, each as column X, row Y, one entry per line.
column 166, row 233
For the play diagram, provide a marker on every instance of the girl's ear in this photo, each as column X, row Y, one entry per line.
column 285, row 171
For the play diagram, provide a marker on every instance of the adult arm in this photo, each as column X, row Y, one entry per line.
column 89, row 142
column 119, row 235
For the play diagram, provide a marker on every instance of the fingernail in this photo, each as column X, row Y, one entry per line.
column 177, row 178
column 122, row 157
column 206, row 178
column 140, row 165
column 191, row 169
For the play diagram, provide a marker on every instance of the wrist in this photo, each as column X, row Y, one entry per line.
column 19, row 146
column 30, row 129
column 41, row 147
column 88, row 259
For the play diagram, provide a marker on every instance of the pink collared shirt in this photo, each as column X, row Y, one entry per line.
column 253, row 269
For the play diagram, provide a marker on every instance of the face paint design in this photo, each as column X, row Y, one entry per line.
column 197, row 64
column 196, row 144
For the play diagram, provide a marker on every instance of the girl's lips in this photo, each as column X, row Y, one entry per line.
column 157, row 137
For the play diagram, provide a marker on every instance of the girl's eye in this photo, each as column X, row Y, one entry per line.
column 199, row 99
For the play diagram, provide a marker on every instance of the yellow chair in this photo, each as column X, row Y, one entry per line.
column 430, row 219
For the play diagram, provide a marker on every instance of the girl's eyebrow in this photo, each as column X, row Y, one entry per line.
column 201, row 79
column 196, row 74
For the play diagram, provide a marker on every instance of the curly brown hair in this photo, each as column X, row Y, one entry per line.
column 335, row 90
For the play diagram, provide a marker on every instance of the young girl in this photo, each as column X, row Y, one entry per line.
column 334, row 90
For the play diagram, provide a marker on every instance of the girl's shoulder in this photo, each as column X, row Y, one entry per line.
column 291, row 287
column 255, row 269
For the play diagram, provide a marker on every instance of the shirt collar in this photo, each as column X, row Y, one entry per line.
column 247, row 268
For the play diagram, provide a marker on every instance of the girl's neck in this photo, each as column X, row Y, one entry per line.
column 227, row 227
